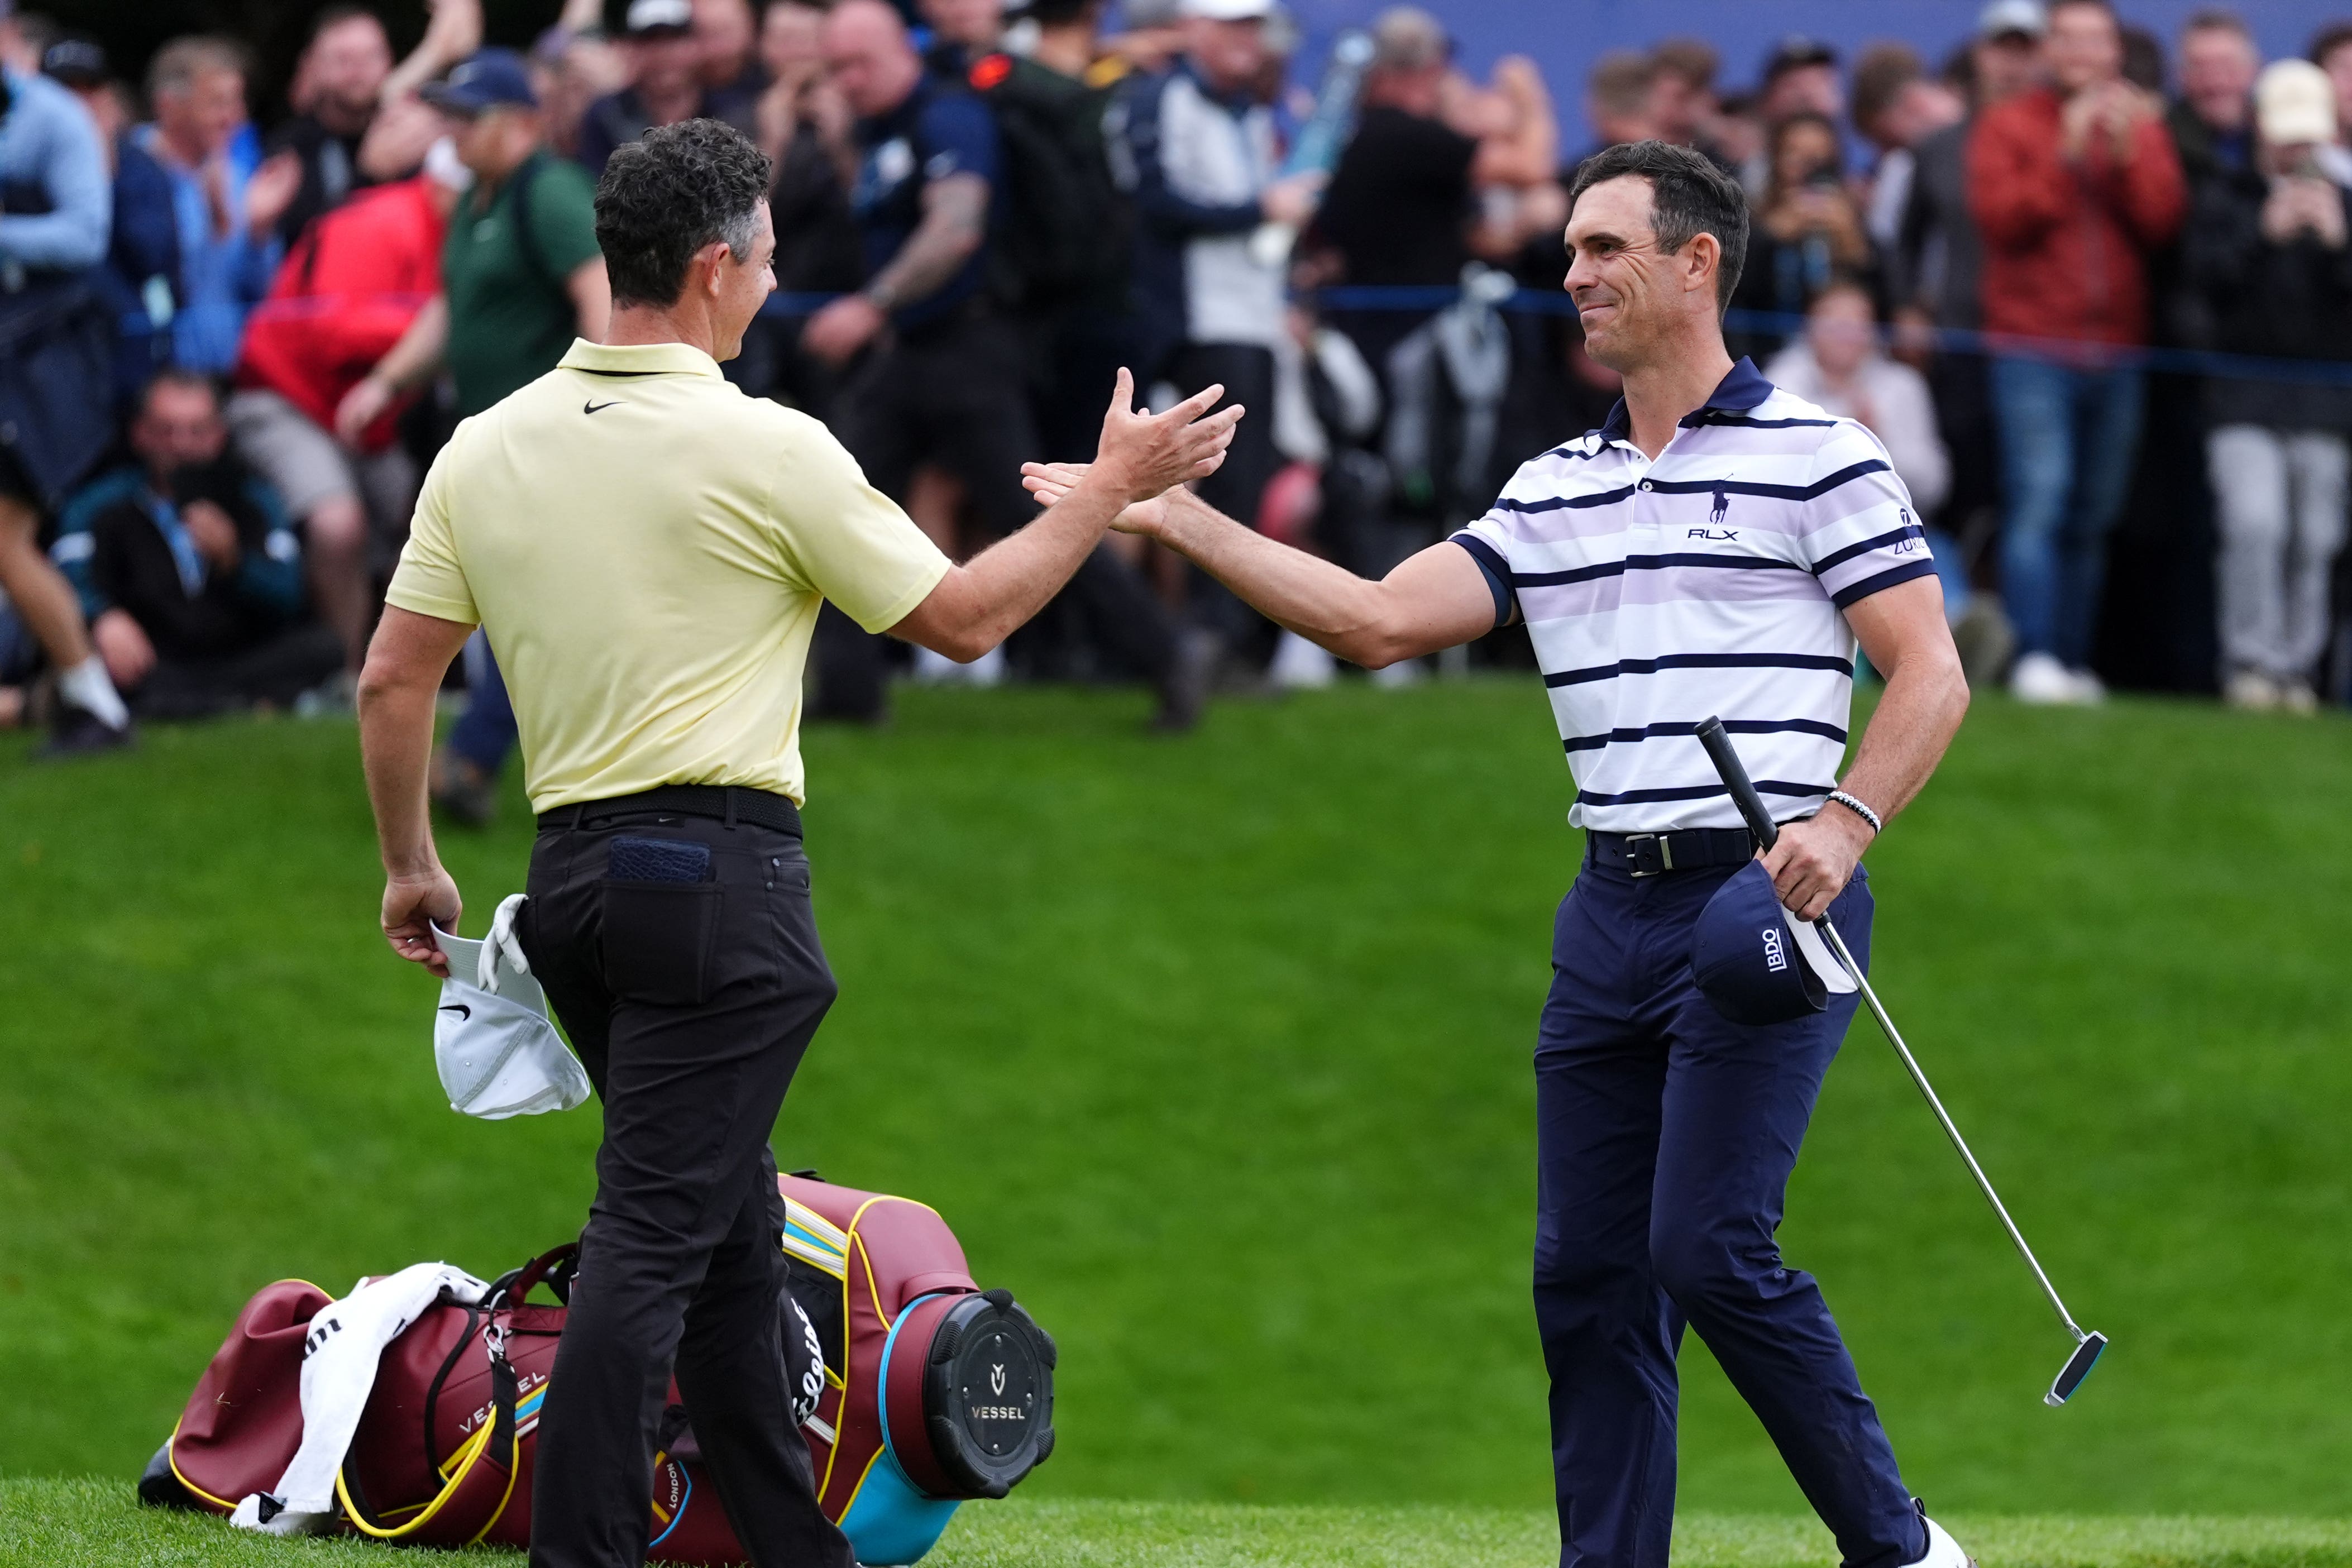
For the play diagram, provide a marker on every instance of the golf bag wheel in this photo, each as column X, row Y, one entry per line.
column 971, row 1412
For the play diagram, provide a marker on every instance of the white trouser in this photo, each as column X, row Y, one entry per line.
column 2280, row 514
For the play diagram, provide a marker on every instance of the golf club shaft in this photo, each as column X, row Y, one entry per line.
column 1717, row 742
column 1927, row 1093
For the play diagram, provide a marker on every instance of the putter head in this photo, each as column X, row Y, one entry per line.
column 2078, row 1367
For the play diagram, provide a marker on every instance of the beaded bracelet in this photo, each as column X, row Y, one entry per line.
column 1856, row 806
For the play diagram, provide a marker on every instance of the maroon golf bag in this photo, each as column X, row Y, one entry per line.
column 931, row 1391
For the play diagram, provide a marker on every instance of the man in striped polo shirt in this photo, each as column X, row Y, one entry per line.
column 1717, row 547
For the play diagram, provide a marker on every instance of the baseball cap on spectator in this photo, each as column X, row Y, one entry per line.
column 1795, row 52
column 487, row 79
column 1230, row 10
column 2011, row 18
column 658, row 18
column 76, row 62
column 2294, row 105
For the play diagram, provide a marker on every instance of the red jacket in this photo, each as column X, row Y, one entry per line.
column 2065, row 245
column 350, row 288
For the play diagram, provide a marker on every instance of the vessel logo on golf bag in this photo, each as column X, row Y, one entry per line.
column 935, row 1391
column 915, row 1391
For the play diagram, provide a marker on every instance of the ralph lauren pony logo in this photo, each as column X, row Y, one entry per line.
column 1714, row 530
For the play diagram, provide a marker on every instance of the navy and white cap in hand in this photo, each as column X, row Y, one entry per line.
column 498, row 1053
column 1757, row 962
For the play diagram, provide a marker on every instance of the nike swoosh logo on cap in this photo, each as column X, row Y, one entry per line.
column 459, row 1008
column 592, row 407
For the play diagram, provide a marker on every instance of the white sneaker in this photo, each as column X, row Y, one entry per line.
column 2040, row 679
column 1301, row 665
column 2297, row 697
column 2250, row 690
column 1943, row 1551
column 2089, row 690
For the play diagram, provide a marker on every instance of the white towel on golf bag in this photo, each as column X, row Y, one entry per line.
column 339, row 1363
column 498, row 1053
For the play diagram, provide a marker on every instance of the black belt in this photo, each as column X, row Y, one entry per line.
column 1691, row 849
column 730, row 803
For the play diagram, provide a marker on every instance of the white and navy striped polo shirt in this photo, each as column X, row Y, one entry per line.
column 1706, row 582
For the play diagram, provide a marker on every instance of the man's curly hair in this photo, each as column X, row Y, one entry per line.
column 667, row 195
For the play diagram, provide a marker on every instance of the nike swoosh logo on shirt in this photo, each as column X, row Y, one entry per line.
column 460, row 1009
column 592, row 407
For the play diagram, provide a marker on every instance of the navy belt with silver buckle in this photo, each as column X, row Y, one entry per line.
column 1650, row 853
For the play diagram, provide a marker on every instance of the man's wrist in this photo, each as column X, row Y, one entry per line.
column 1859, row 810
column 1185, row 512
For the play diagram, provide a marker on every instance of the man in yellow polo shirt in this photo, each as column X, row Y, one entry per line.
column 647, row 549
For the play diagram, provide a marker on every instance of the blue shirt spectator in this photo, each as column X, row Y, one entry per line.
column 937, row 131
column 139, row 279
column 1198, row 160
column 54, row 204
column 224, row 203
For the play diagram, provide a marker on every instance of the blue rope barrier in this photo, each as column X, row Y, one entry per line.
column 1428, row 299
column 1948, row 340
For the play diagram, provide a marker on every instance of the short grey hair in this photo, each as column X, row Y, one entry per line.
column 1408, row 38
column 178, row 64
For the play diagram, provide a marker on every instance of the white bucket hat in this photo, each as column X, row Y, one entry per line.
column 498, row 1053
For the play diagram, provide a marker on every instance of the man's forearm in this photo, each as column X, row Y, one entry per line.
column 1916, row 716
column 996, row 592
column 955, row 222
column 396, row 749
column 1325, row 603
column 418, row 353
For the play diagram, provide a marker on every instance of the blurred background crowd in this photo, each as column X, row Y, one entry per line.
column 2090, row 286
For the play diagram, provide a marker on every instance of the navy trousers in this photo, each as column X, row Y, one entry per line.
column 1665, row 1135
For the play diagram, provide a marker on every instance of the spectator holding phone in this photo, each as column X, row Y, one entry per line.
column 1808, row 230
column 2267, row 249
column 188, row 569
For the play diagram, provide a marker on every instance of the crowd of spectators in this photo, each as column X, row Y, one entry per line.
column 226, row 350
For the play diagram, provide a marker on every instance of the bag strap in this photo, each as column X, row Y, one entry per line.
column 555, row 1269
column 527, row 238
column 481, row 1474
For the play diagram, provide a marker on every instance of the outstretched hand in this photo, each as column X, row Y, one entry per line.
column 1145, row 456
column 1049, row 482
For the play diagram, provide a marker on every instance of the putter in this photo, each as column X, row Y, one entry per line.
column 1760, row 826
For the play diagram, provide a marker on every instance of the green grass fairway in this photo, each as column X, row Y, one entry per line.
column 51, row 1522
column 1216, row 1051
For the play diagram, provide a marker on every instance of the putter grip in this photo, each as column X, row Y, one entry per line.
column 1720, row 751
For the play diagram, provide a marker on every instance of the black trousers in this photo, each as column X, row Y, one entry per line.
column 690, row 1006
column 1246, row 373
column 275, row 671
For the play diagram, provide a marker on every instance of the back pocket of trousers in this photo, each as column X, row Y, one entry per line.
column 658, row 940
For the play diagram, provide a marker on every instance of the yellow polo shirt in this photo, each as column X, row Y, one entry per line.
column 646, row 548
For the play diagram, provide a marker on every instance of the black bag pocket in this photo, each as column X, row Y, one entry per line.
column 660, row 921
